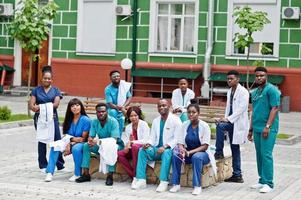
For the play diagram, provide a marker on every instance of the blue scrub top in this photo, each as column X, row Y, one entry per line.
column 263, row 101
column 42, row 97
column 192, row 139
column 82, row 125
column 111, row 94
column 110, row 129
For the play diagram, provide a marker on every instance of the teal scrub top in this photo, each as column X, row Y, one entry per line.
column 110, row 129
column 111, row 94
column 263, row 101
column 162, row 124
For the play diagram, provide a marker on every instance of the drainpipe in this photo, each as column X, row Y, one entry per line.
column 205, row 89
column 134, row 33
column 134, row 40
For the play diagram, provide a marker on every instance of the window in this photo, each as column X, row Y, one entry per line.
column 96, row 23
column 173, row 26
column 268, row 37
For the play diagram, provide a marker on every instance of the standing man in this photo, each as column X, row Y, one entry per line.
column 264, row 128
column 181, row 99
column 118, row 97
column 164, row 131
column 235, row 124
column 103, row 127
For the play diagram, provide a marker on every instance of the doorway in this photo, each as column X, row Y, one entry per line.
column 37, row 65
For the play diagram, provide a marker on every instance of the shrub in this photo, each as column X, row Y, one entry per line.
column 5, row 113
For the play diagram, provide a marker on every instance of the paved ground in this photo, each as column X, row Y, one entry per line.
column 20, row 177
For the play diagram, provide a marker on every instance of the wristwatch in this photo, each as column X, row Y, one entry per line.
column 268, row 126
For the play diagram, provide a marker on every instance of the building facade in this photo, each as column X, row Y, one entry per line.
column 166, row 39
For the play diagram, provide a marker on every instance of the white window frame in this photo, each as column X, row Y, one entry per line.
column 79, row 37
column 230, row 34
column 153, row 29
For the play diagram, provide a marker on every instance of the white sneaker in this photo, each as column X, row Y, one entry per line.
column 48, row 177
column 138, row 184
column 134, row 182
column 43, row 170
column 197, row 190
column 256, row 186
column 73, row 178
column 266, row 189
column 175, row 188
column 162, row 186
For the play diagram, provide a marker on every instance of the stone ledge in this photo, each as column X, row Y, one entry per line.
column 16, row 124
column 224, row 171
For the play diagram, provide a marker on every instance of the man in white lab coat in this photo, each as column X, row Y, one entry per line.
column 235, row 124
column 159, row 147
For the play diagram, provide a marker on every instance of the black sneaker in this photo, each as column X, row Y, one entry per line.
column 218, row 156
column 83, row 178
column 235, row 179
column 109, row 180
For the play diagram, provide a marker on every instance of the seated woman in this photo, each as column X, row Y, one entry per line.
column 135, row 135
column 76, row 126
column 193, row 143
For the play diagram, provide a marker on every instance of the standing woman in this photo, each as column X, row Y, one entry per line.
column 41, row 95
column 135, row 135
column 193, row 142
column 77, row 126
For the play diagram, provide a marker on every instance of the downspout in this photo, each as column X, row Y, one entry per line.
column 205, row 89
column 134, row 38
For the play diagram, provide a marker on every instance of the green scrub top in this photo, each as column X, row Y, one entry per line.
column 263, row 100
column 110, row 129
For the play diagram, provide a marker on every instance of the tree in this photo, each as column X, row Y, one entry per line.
column 30, row 27
column 250, row 21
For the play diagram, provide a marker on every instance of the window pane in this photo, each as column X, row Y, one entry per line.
column 175, row 34
column 255, row 48
column 188, row 34
column 189, row 9
column 176, row 9
column 162, row 33
column 267, row 49
column 163, row 8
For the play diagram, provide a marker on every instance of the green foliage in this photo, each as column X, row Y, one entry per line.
column 16, row 117
column 5, row 113
column 250, row 21
column 31, row 23
column 283, row 136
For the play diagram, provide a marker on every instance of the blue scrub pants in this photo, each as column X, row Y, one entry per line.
column 87, row 156
column 198, row 160
column 221, row 128
column 118, row 115
column 42, row 148
column 264, row 156
column 77, row 152
column 150, row 154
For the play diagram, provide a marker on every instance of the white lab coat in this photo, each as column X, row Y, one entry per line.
column 107, row 154
column 204, row 137
column 45, row 124
column 239, row 116
column 123, row 88
column 142, row 132
column 172, row 128
column 177, row 99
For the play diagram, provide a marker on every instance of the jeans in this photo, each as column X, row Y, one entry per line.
column 198, row 160
column 150, row 154
column 123, row 159
column 221, row 128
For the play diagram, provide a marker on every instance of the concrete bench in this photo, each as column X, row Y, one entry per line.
column 224, row 171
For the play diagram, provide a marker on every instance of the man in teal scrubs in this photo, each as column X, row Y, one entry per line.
column 264, row 128
column 104, row 127
column 111, row 95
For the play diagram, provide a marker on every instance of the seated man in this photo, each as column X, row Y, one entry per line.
column 162, row 140
column 118, row 97
column 102, row 127
column 181, row 99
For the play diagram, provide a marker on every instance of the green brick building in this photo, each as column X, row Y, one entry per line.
column 170, row 39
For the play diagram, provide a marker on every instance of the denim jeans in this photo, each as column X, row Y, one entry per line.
column 221, row 128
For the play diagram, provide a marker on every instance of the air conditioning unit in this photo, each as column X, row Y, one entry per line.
column 123, row 10
column 290, row 12
column 6, row 9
